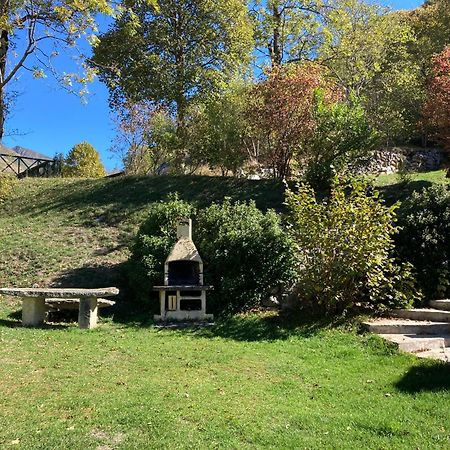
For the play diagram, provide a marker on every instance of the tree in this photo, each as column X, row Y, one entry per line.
column 33, row 32
column 342, row 140
column 437, row 106
column 394, row 96
column 357, row 38
column 146, row 138
column 287, row 30
column 367, row 49
column 173, row 52
column 430, row 23
column 83, row 161
column 218, row 132
column 280, row 110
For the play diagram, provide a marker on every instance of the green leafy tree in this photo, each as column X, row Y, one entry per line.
column 219, row 130
column 33, row 32
column 146, row 138
column 367, row 49
column 357, row 39
column 342, row 140
column 430, row 23
column 173, row 52
column 287, row 30
column 394, row 97
column 83, row 161
column 396, row 93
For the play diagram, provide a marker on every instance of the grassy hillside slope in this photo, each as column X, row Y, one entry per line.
column 75, row 232
column 66, row 232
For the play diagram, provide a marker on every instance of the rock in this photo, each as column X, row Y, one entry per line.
column 271, row 302
column 393, row 160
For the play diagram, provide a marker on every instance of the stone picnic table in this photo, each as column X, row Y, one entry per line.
column 33, row 303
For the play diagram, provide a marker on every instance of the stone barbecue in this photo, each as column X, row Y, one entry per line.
column 183, row 296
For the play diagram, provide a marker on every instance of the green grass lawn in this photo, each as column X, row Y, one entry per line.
column 394, row 189
column 437, row 176
column 249, row 382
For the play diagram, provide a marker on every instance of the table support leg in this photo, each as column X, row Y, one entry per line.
column 162, row 304
column 88, row 313
column 33, row 311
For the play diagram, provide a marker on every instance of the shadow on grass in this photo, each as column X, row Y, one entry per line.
column 16, row 322
column 133, row 315
column 110, row 201
column 268, row 326
column 91, row 277
column 431, row 377
column 251, row 327
column 10, row 323
column 401, row 191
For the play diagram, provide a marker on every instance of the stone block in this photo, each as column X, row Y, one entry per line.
column 33, row 311
column 88, row 313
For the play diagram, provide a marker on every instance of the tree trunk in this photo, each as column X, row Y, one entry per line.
column 275, row 50
column 180, row 87
column 4, row 46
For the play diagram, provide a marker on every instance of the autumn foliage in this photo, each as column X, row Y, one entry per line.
column 280, row 110
column 437, row 107
column 83, row 161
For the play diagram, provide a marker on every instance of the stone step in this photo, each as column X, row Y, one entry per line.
column 429, row 314
column 414, row 343
column 406, row 326
column 443, row 305
column 441, row 355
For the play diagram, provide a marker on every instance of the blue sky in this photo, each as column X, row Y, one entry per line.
column 49, row 120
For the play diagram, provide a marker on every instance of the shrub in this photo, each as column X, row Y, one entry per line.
column 246, row 253
column 152, row 245
column 7, row 184
column 344, row 247
column 424, row 238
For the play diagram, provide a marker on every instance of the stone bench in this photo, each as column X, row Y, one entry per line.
column 34, row 299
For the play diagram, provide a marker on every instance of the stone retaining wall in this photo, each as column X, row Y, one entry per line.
column 410, row 159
